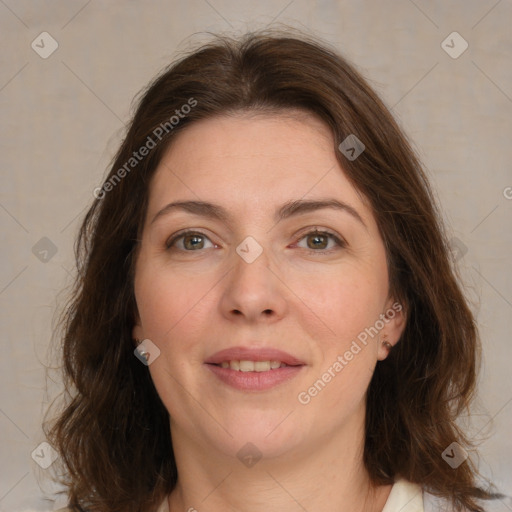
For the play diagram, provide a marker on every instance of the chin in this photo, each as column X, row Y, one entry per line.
column 270, row 437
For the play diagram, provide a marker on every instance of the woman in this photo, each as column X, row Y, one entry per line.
column 266, row 316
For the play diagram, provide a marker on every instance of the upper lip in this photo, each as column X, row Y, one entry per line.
column 253, row 354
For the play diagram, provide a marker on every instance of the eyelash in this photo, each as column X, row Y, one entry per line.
column 340, row 242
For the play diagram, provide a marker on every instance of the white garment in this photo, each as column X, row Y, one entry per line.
column 406, row 496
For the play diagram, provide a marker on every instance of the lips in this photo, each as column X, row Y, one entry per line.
column 253, row 354
column 254, row 369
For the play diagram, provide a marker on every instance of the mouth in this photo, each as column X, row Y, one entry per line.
column 246, row 357
column 252, row 366
column 251, row 369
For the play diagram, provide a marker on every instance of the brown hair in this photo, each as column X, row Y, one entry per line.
column 113, row 433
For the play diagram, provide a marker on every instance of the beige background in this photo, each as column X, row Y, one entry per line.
column 63, row 116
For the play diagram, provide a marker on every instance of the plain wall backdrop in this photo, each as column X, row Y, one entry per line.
column 63, row 116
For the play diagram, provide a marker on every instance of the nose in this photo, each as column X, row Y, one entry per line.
column 254, row 292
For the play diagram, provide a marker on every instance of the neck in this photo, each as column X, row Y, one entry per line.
column 329, row 476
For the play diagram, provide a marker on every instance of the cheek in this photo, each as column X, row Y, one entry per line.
column 169, row 303
column 348, row 299
column 171, row 308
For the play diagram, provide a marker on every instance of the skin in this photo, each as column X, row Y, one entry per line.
column 194, row 300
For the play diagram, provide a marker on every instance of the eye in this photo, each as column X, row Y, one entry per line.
column 318, row 241
column 189, row 241
column 192, row 241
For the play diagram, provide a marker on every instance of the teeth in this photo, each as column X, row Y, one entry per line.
column 252, row 366
column 246, row 366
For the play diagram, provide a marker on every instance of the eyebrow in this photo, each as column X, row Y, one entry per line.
column 287, row 210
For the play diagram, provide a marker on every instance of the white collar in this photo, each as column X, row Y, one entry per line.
column 405, row 496
column 164, row 507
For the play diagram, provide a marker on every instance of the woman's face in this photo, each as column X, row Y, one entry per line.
column 254, row 275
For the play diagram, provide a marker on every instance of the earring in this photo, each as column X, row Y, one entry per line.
column 386, row 343
column 143, row 353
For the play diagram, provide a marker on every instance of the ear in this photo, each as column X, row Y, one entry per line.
column 137, row 331
column 394, row 318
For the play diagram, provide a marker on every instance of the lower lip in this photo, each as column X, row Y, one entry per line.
column 254, row 381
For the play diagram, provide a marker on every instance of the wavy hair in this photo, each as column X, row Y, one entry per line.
column 112, row 430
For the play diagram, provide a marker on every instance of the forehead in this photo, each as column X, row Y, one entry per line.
column 252, row 136
column 249, row 160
